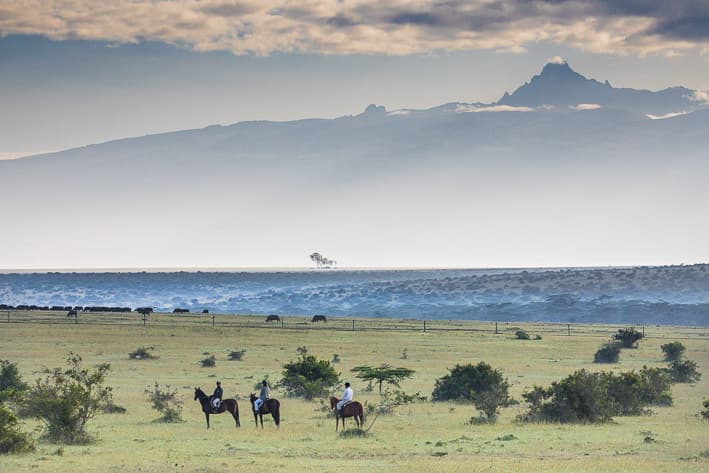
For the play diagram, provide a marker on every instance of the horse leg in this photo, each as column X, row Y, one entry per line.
column 260, row 416
column 206, row 414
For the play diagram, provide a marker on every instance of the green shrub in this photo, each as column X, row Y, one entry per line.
column 521, row 335
column 608, row 353
column 596, row 397
column 237, row 355
column 628, row 337
column 11, row 384
column 66, row 399
column 484, row 386
column 166, row 402
column 684, row 371
column 209, row 362
column 705, row 412
column 673, row 351
column 12, row 439
column 142, row 353
column 309, row 377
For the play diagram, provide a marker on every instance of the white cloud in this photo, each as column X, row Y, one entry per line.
column 492, row 108
column 700, row 96
column 666, row 115
column 585, row 106
column 395, row 27
column 399, row 112
column 556, row 60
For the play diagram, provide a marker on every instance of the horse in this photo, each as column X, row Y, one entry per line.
column 228, row 405
column 353, row 409
column 269, row 406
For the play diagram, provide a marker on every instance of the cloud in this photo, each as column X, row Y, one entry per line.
column 666, row 115
column 556, row 60
column 700, row 96
column 492, row 108
column 585, row 106
column 395, row 27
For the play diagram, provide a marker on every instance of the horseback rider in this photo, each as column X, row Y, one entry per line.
column 347, row 395
column 263, row 395
column 217, row 396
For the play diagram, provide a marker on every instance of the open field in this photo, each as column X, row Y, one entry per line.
column 421, row 437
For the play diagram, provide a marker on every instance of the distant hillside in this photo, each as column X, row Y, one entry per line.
column 672, row 295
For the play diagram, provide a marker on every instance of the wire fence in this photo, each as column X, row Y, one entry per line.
column 332, row 323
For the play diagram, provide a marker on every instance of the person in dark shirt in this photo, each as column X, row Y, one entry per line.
column 217, row 396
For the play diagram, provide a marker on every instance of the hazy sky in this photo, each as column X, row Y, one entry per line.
column 75, row 72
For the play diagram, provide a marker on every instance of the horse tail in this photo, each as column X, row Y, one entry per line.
column 276, row 412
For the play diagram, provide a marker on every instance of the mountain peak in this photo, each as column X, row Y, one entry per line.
column 558, row 71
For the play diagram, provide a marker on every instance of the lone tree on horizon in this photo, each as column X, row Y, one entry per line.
column 321, row 261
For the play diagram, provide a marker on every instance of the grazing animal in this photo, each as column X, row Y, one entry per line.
column 353, row 409
column 72, row 313
column 319, row 318
column 227, row 405
column 273, row 318
column 269, row 406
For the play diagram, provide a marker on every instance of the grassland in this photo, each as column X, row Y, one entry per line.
column 423, row 437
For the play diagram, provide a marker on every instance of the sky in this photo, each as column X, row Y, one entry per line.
column 76, row 72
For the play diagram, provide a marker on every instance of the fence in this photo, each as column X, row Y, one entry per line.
column 346, row 324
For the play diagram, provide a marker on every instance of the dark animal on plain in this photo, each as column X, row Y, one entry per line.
column 353, row 409
column 319, row 318
column 205, row 311
column 273, row 318
column 227, row 405
column 181, row 311
column 72, row 313
column 269, row 406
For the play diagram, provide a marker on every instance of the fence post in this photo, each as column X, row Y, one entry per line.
column 496, row 332
column 76, row 318
column 212, row 321
column 145, row 317
column 643, row 331
column 8, row 316
column 568, row 327
column 353, row 325
column 424, row 326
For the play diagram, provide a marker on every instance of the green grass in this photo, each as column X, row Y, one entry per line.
column 422, row 437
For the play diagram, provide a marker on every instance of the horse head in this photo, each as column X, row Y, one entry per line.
column 252, row 397
column 197, row 393
column 333, row 402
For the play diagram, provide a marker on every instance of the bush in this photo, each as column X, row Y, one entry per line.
column 209, row 362
column 12, row 440
column 481, row 384
column 673, row 351
column 684, row 371
column 237, row 355
column 521, row 335
column 705, row 412
column 142, row 353
column 596, row 397
column 608, row 353
column 309, row 377
column 11, row 384
column 166, row 402
column 66, row 399
column 628, row 337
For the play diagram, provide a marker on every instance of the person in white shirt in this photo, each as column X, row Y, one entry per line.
column 347, row 395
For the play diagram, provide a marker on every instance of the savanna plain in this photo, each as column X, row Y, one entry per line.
column 420, row 437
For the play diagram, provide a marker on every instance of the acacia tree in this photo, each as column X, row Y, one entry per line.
column 321, row 261
column 383, row 374
column 66, row 399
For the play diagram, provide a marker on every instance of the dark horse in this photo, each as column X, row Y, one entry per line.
column 353, row 409
column 269, row 406
column 228, row 405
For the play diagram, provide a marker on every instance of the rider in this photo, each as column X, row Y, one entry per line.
column 263, row 395
column 347, row 395
column 217, row 396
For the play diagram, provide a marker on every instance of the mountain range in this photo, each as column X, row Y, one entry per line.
column 563, row 165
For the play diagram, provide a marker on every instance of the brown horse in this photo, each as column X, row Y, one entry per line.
column 227, row 405
column 269, row 406
column 353, row 409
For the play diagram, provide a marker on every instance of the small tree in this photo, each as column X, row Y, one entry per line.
column 705, row 412
column 383, row 374
column 309, row 377
column 521, row 335
column 209, row 362
column 673, row 351
column 166, row 402
column 484, row 386
column 12, row 439
column 66, row 399
column 684, row 371
column 628, row 337
column 608, row 353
